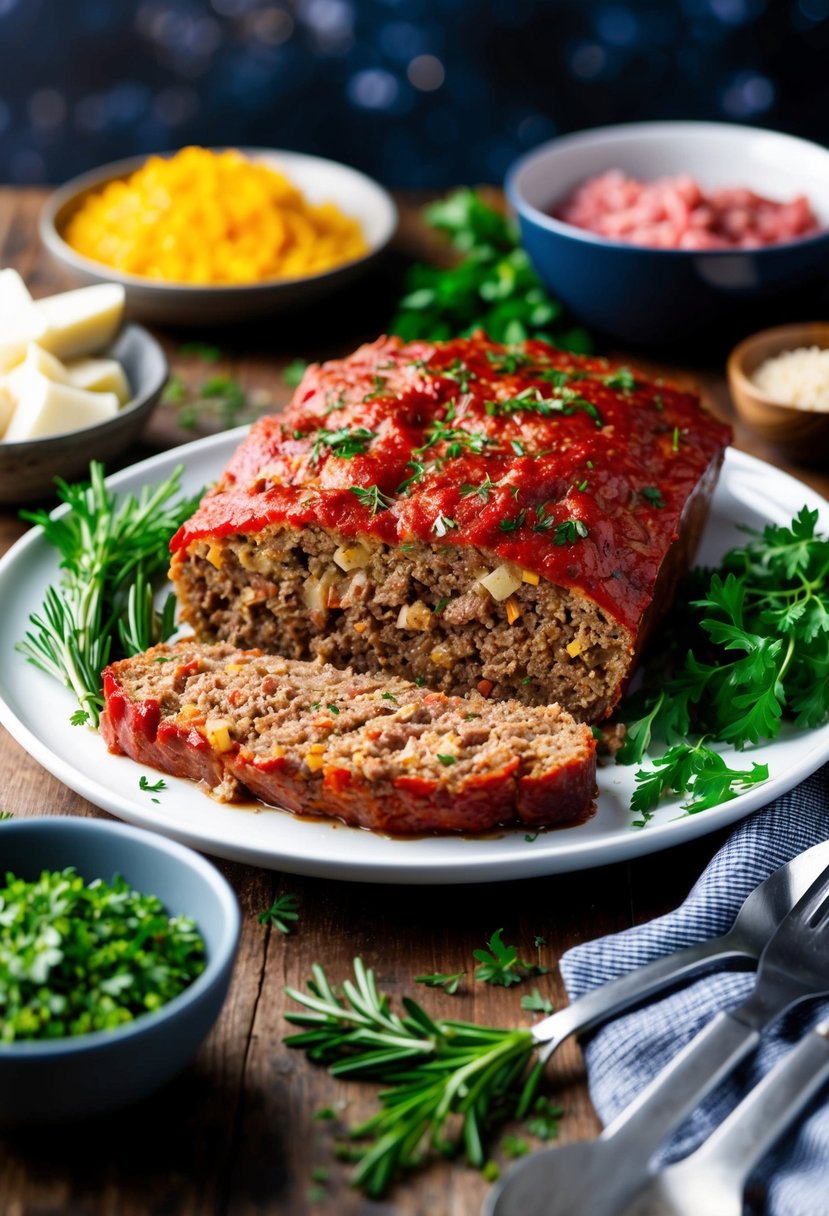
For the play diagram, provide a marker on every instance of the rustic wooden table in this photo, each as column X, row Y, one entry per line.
column 236, row 1134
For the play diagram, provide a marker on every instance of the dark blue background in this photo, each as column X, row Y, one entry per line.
column 415, row 92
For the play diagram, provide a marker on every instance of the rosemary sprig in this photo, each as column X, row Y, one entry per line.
column 111, row 552
column 433, row 1070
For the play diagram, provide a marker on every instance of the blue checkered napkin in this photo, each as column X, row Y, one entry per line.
column 627, row 1053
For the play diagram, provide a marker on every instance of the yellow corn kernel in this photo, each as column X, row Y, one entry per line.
column 233, row 669
column 218, row 735
column 527, row 576
column 214, row 555
column 441, row 657
column 314, row 759
column 277, row 751
column 360, row 626
column 188, row 713
column 513, row 610
column 573, row 649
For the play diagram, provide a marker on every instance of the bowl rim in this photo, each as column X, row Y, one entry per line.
column 134, row 406
column 97, row 178
column 217, row 959
column 735, row 365
column 649, row 130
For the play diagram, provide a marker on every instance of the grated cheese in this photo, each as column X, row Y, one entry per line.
column 797, row 377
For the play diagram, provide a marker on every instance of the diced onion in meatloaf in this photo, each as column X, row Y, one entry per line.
column 375, row 751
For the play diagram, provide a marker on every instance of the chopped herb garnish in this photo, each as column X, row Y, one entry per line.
column 293, row 373
column 449, row 982
column 419, row 470
column 457, row 371
column 582, row 486
column 440, row 605
column 530, row 838
column 511, row 525
column 282, row 914
column 517, row 447
column 514, row 1146
column 345, row 442
column 457, row 438
column 567, row 402
column 324, row 1113
column 446, row 760
column 332, row 708
column 79, row 717
column 544, row 1122
column 654, row 496
column 6, row 815
column 623, row 380
column 569, row 531
column 500, row 964
column 389, row 696
column 543, row 521
column 536, row 1003
column 378, row 389
column 155, row 788
column 420, row 681
column 443, row 524
column 78, row 957
column 482, row 490
column 371, row 497
column 470, row 717
column 675, row 440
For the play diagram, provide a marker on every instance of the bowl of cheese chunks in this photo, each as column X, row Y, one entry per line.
column 76, row 384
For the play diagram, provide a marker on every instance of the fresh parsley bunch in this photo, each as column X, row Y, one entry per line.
column 761, row 653
column 492, row 287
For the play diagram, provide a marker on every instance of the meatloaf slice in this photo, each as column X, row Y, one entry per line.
column 375, row 751
column 471, row 515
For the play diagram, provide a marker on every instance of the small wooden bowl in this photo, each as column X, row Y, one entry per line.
column 799, row 434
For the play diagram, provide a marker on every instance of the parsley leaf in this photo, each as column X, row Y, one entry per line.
column 449, row 982
column 500, row 964
column 155, row 788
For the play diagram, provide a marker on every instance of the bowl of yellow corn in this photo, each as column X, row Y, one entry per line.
column 212, row 236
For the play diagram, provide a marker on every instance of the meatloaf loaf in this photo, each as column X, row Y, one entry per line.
column 470, row 515
column 372, row 750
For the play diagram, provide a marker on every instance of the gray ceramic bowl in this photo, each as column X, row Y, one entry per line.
column 185, row 304
column 28, row 468
column 77, row 1077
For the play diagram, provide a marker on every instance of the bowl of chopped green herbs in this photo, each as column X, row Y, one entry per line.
column 116, row 952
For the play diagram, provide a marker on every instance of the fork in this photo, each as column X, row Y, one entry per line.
column 599, row 1177
column 720, row 1167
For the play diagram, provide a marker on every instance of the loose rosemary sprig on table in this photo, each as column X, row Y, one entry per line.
column 434, row 1071
column 112, row 549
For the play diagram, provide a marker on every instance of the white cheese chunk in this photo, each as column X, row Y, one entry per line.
column 44, row 407
column 20, row 319
column 100, row 376
column 6, row 408
column 39, row 360
column 82, row 321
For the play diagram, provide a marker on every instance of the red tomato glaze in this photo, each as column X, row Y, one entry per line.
column 570, row 467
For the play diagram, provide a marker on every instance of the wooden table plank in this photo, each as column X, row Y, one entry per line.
column 235, row 1134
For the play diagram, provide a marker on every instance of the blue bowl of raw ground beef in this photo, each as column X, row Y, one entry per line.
column 647, row 296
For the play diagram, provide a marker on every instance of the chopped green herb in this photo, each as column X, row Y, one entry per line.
column 569, row 531
column 319, row 1173
column 446, row 760
column 440, row 605
column 325, row 1113
column 389, row 696
column 530, row 400
column 512, row 525
column 544, row 1121
column 420, row 681
column 345, row 442
column 658, row 403
column 530, row 838
column 675, row 440
column 77, row 957
column 491, row 1171
column 80, row 717
column 500, row 964
column 155, row 788
column 201, row 350
column 443, row 524
column 539, row 941
column 332, row 708
column 449, row 983
column 536, row 1003
column 623, row 380
column 6, row 815
column 371, row 497
column 543, row 521
column 293, row 373
column 419, row 470
column 470, row 717
column 654, row 496
column 378, row 389
column 175, row 391
column 517, row 447
column 482, row 490
column 696, row 770
column 282, row 914
column 457, row 439
column 229, row 397
column 514, row 1146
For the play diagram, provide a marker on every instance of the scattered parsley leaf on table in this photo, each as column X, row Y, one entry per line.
column 536, row 1003
column 449, row 982
column 500, row 964
column 282, row 914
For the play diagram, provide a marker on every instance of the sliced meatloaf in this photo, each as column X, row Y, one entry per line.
column 462, row 513
column 375, row 751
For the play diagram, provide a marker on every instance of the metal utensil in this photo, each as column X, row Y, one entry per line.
column 757, row 919
column 721, row 1166
column 599, row 1177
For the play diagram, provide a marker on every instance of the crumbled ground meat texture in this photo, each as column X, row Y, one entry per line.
column 282, row 591
column 379, row 752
